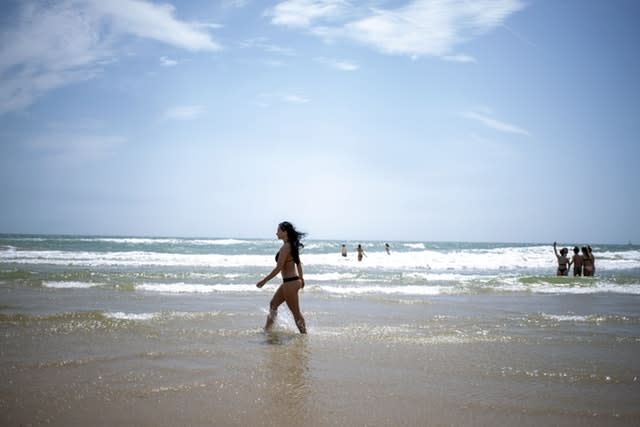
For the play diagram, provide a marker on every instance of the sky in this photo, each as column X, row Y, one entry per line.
column 415, row 120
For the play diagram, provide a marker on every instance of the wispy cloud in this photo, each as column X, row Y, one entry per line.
column 459, row 58
column 168, row 62
column 337, row 64
column 267, row 99
column 420, row 28
column 184, row 112
column 485, row 117
column 153, row 21
column 263, row 44
column 21, row 88
column 302, row 13
column 239, row 4
column 57, row 43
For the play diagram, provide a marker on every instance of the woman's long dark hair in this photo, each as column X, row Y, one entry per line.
column 294, row 237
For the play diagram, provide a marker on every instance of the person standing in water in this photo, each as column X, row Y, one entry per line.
column 588, row 263
column 387, row 248
column 288, row 263
column 563, row 261
column 576, row 260
column 361, row 253
column 343, row 251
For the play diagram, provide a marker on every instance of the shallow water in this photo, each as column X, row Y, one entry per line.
column 88, row 342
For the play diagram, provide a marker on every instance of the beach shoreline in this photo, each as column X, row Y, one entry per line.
column 166, row 332
column 377, row 370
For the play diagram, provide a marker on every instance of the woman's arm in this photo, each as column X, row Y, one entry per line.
column 301, row 273
column 285, row 250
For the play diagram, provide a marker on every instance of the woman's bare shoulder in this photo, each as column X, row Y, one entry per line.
column 286, row 247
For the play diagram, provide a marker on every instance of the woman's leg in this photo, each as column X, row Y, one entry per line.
column 278, row 298
column 291, row 297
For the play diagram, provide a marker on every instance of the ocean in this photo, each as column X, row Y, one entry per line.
column 168, row 331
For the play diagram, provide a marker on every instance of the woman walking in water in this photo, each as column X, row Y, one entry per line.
column 289, row 264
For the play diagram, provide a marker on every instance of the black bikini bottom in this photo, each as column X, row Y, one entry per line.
column 291, row 279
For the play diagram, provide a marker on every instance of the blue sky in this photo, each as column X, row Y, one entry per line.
column 501, row 120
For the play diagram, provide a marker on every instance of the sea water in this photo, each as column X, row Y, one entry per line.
column 145, row 279
column 233, row 266
column 480, row 329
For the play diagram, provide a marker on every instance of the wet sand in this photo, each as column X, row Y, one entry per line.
column 223, row 370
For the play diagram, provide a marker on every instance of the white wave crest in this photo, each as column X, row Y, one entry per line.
column 134, row 259
column 565, row 317
column 131, row 316
column 538, row 259
column 181, row 288
column 415, row 245
column 384, row 290
column 221, row 242
column 71, row 285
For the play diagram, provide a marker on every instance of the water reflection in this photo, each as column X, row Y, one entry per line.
column 287, row 357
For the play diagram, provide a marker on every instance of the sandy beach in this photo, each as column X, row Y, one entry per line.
column 380, row 370
column 168, row 332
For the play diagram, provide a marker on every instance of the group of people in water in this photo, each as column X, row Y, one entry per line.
column 360, row 251
column 583, row 264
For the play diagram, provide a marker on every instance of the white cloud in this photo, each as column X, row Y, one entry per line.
column 484, row 116
column 338, row 64
column 168, row 62
column 262, row 44
column 184, row 112
column 420, row 28
column 459, row 58
column 301, row 13
column 153, row 21
column 58, row 43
